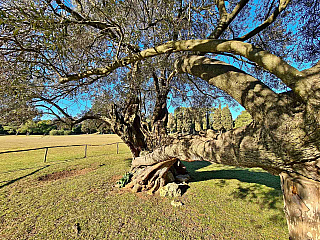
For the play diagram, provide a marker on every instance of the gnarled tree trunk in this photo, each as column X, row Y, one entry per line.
column 284, row 137
column 142, row 138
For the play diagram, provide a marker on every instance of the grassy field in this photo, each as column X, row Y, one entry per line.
column 71, row 197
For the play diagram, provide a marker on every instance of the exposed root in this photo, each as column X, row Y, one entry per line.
column 152, row 178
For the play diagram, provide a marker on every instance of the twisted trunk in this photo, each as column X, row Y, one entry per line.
column 283, row 139
column 127, row 124
column 251, row 146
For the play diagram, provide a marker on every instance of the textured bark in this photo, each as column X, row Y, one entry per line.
column 285, row 139
column 128, row 126
column 301, row 206
column 288, row 127
column 152, row 177
column 239, row 147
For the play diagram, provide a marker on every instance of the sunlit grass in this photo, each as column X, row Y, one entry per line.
column 221, row 203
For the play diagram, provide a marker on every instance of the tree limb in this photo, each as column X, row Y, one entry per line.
column 225, row 18
column 270, row 62
column 251, row 93
column 282, row 5
column 238, row 147
column 57, row 107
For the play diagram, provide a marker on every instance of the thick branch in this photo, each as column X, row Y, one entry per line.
column 238, row 147
column 255, row 96
column 288, row 74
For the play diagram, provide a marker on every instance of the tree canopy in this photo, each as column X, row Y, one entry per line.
column 96, row 49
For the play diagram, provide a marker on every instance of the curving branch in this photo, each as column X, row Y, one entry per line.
column 226, row 18
column 237, row 147
column 270, row 62
column 57, row 107
column 51, row 112
column 251, row 93
column 282, row 5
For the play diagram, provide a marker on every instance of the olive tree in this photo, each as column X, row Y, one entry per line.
column 136, row 54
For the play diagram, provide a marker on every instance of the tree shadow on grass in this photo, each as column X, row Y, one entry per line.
column 255, row 192
column 241, row 174
column 19, row 178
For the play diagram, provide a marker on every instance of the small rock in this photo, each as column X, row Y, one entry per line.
column 77, row 228
column 171, row 190
column 176, row 203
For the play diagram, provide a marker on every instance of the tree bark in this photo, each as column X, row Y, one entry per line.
column 127, row 124
column 301, row 206
column 288, row 136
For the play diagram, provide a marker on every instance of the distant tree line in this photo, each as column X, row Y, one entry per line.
column 189, row 120
column 51, row 127
column 183, row 120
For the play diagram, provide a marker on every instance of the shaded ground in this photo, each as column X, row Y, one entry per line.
column 228, row 172
column 254, row 192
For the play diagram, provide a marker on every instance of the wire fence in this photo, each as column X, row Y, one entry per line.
column 14, row 166
column 75, row 145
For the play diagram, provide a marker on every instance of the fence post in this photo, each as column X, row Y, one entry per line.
column 85, row 150
column 45, row 155
column 117, row 148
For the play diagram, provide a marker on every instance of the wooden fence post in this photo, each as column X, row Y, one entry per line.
column 117, row 148
column 45, row 155
column 85, row 150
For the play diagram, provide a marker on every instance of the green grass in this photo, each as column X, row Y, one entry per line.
column 222, row 202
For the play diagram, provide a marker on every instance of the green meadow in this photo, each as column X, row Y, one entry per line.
column 72, row 197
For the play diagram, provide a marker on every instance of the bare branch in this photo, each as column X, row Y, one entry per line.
column 52, row 112
column 57, row 107
column 282, row 5
column 225, row 18
column 222, row 7
column 107, row 28
column 200, row 90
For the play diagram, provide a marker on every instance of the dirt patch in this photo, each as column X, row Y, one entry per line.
column 64, row 174
column 116, row 178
